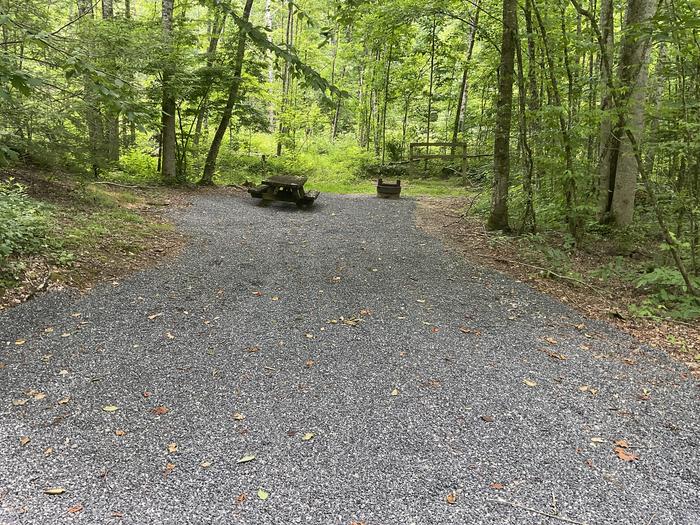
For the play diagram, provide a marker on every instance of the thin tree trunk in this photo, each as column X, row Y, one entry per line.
column 217, row 28
column 210, row 163
column 498, row 218
column 430, row 92
column 386, row 100
column 463, row 88
column 289, row 40
column 168, row 107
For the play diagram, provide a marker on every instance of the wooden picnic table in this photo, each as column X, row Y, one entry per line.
column 284, row 188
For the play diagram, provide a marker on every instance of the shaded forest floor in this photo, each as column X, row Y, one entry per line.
column 97, row 232
column 605, row 300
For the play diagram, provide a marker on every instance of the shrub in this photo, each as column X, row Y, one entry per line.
column 24, row 224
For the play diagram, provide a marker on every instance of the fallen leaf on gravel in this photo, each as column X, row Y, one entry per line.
column 246, row 459
column 240, row 499
column 309, row 363
column 19, row 402
column 252, row 349
column 497, row 486
column 420, row 301
column 64, row 401
column 205, row 464
column 63, row 373
column 466, row 330
column 2, row 365
column 597, row 440
column 488, row 419
column 308, row 436
column 451, row 498
column 160, row 410
column 554, row 355
column 622, row 443
column 24, row 440
column 629, row 361
column 530, row 382
column 551, row 340
column 169, row 467
column 257, row 294
column 75, row 509
column 48, row 451
column 624, row 455
column 309, row 336
column 395, row 392
column 263, row 494
column 169, row 335
column 120, row 433
column 65, row 335
column 238, row 416
column 435, row 329
column 172, row 448
column 275, row 298
column 580, row 326
column 117, row 514
column 39, row 396
column 54, row 491
column 110, row 408
column 20, row 342
column 146, row 394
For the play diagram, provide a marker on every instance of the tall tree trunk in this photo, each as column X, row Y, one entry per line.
column 633, row 73
column 607, row 28
column 210, row 163
column 168, row 106
column 463, row 88
column 286, row 80
column 269, row 22
column 528, row 222
column 430, row 92
column 569, row 181
column 111, row 117
column 216, row 30
column 498, row 218
column 127, row 8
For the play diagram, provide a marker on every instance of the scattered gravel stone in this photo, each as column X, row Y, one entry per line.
column 344, row 303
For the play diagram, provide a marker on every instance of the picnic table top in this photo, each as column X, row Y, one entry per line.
column 285, row 180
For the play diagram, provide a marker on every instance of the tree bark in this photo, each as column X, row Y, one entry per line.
column 289, row 40
column 168, row 106
column 498, row 218
column 606, row 139
column 210, row 163
column 633, row 73
column 216, row 30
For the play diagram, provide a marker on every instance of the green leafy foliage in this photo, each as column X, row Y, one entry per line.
column 24, row 223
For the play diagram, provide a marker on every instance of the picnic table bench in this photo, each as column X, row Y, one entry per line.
column 284, row 188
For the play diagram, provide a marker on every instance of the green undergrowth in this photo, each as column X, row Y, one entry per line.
column 68, row 224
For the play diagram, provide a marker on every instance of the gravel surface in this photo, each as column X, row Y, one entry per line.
column 417, row 376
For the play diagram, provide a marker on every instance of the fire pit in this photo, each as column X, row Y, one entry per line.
column 387, row 190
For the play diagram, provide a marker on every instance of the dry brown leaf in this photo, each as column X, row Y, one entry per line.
column 530, row 382
column 146, row 394
column 622, row 443
column 205, row 464
column 451, row 498
column 19, row 402
column 257, row 294
column 625, row 455
column 64, row 401
column 169, row 467
column 48, row 451
column 75, row 508
column 54, row 491
column 172, row 448
column 238, row 416
column 240, row 499
column 395, row 392
column 160, row 410
column 488, row 419
column 597, row 440
column 252, row 349
column 309, row 363
column 497, row 486
column 120, row 433
column 24, row 440
column 551, row 340
column 20, row 342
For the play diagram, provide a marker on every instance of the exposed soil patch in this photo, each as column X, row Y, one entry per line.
column 444, row 218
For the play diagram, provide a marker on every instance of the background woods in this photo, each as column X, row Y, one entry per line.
column 579, row 117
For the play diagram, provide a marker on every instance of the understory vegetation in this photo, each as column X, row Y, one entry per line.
column 570, row 127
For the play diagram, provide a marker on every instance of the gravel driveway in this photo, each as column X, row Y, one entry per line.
column 375, row 377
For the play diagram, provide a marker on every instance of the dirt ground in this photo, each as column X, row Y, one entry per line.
column 444, row 218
